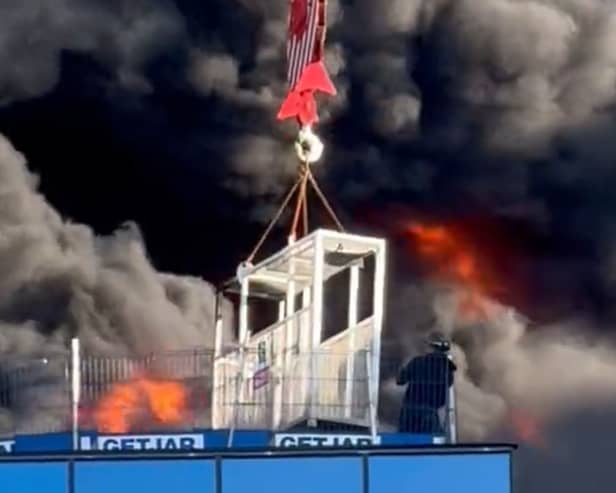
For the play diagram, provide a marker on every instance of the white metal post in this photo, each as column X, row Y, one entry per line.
column 216, row 390
column 218, row 327
column 316, row 320
column 285, row 363
column 75, row 389
column 353, row 295
column 452, row 416
column 218, row 338
column 378, row 307
column 317, row 291
column 244, row 334
column 304, row 338
column 243, row 330
column 216, row 400
column 352, row 323
column 282, row 347
column 290, row 301
column 371, row 397
column 301, row 368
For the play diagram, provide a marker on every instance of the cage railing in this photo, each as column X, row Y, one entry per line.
column 248, row 400
column 276, row 379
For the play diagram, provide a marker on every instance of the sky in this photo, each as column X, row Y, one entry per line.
column 491, row 118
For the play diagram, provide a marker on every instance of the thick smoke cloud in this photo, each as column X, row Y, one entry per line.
column 550, row 388
column 122, row 35
column 514, row 116
column 59, row 280
column 502, row 108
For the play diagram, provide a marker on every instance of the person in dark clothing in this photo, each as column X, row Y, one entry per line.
column 428, row 379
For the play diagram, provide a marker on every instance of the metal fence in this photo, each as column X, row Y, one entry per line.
column 243, row 389
column 427, row 404
column 35, row 394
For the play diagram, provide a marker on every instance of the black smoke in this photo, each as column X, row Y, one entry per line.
column 162, row 112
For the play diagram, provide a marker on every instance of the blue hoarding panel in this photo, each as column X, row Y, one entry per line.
column 191, row 440
column 250, row 439
column 391, row 439
column 162, row 476
column 34, row 478
column 48, row 442
column 297, row 475
column 472, row 473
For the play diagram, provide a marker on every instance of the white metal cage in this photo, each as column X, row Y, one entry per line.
column 290, row 371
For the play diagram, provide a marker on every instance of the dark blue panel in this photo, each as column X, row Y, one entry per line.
column 477, row 473
column 48, row 442
column 406, row 439
column 212, row 440
column 297, row 475
column 34, row 478
column 249, row 439
column 130, row 476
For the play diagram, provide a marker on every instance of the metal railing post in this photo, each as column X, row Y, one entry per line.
column 239, row 386
column 452, row 418
column 244, row 334
column 75, row 390
column 352, row 324
column 317, row 321
column 371, row 396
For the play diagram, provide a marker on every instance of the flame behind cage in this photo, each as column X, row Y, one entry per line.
column 242, row 399
column 216, row 394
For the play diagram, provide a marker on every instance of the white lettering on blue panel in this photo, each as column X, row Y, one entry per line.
column 6, row 446
column 304, row 440
column 143, row 442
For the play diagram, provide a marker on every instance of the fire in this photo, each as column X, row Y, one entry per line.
column 455, row 261
column 527, row 429
column 163, row 401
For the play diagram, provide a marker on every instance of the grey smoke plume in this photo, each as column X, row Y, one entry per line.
column 506, row 83
column 515, row 96
column 502, row 106
column 505, row 106
column 551, row 389
column 59, row 280
column 262, row 156
column 122, row 35
column 516, row 111
column 513, row 86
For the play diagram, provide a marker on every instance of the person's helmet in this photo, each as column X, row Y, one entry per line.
column 438, row 342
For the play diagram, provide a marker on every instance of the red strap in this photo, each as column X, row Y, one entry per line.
column 299, row 17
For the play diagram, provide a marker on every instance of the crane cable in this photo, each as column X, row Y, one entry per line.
column 301, row 207
column 273, row 221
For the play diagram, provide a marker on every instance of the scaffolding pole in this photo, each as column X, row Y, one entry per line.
column 75, row 390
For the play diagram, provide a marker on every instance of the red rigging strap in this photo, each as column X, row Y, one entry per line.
column 305, row 52
column 299, row 18
column 307, row 28
column 300, row 103
column 306, row 76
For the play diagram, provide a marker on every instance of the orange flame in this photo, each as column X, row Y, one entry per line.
column 527, row 429
column 164, row 401
column 456, row 260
